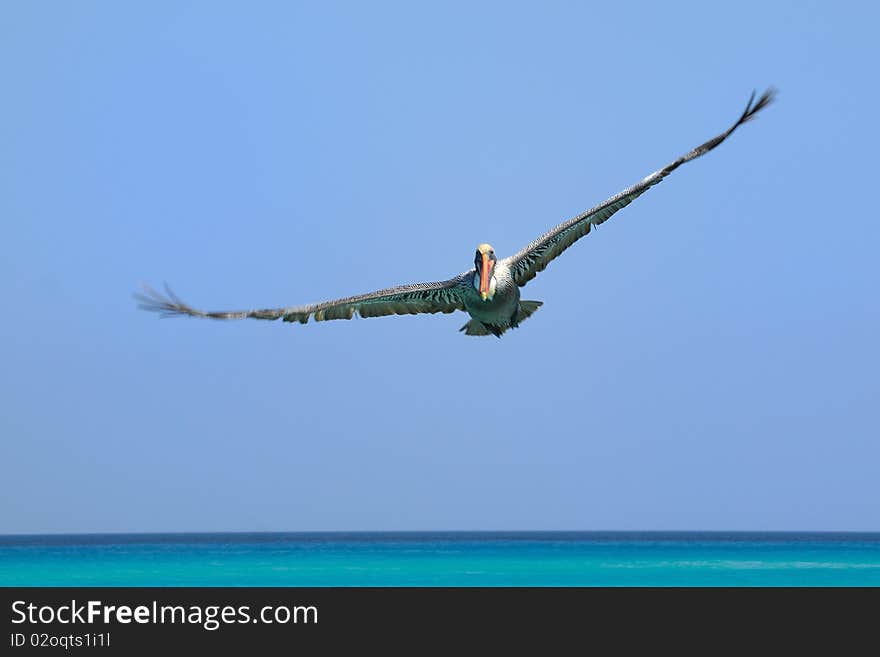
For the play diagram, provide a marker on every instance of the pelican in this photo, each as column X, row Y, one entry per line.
column 489, row 292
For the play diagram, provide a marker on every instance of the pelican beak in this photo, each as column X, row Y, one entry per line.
column 485, row 276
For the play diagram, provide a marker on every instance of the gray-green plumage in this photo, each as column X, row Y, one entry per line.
column 492, row 313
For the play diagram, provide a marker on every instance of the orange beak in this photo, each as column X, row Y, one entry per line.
column 485, row 275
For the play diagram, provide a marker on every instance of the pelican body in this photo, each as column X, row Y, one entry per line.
column 489, row 293
column 492, row 298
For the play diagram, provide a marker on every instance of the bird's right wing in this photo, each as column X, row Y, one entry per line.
column 438, row 297
column 526, row 264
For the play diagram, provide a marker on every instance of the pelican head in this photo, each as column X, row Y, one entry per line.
column 485, row 264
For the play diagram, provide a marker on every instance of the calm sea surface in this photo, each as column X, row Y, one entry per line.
column 443, row 559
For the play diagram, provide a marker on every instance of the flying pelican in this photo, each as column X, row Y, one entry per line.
column 489, row 292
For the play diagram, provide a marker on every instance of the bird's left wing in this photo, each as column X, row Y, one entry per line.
column 526, row 264
column 438, row 297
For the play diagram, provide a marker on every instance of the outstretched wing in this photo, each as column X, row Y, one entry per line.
column 526, row 264
column 439, row 297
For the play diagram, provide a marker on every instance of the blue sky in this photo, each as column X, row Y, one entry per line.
column 707, row 359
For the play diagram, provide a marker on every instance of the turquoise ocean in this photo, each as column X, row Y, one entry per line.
column 443, row 559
